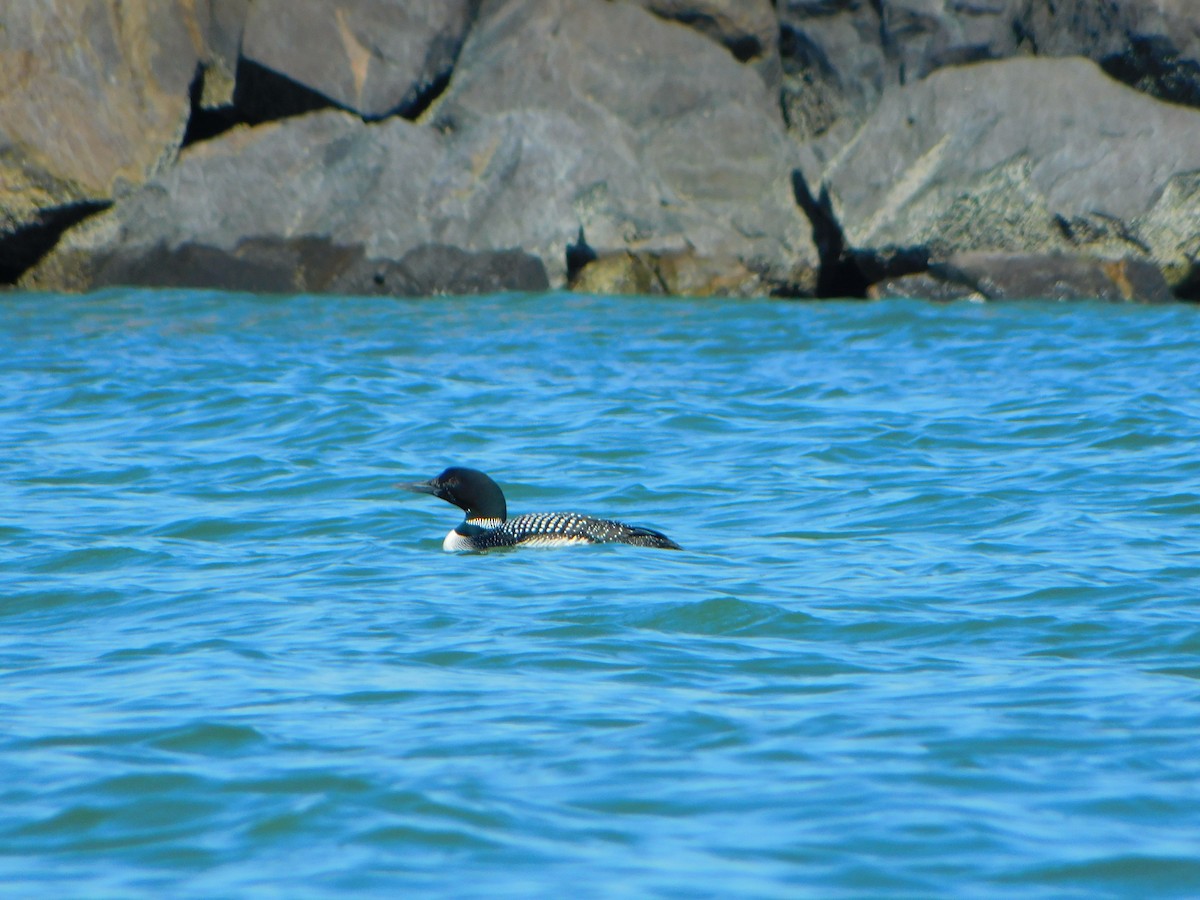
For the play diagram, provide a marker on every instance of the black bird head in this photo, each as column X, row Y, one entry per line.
column 468, row 489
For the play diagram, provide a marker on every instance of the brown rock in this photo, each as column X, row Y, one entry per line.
column 93, row 97
column 93, row 101
column 671, row 274
column 618, row 274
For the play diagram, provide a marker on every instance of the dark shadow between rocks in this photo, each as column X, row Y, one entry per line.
column 743, row 47
column 426, row 95
column 21, row 250
column 1189, row 288
column 1153, row 65
column 262, row 95
column 579, row 254
column 259, row 95
column 205, row 124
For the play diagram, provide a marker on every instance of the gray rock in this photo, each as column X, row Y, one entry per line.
column 1015, row 276
column 1151, row 45
column 654, row 138
column 316, row 265
column 839, row 56
column 374, row 57
column 748, row 29
column 325, row 176
column 965, row 161
column 264, row 265
column 441, row 269
column 1005, row 276
column 1171, row 230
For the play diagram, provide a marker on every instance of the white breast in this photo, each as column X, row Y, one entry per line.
column 455, row 542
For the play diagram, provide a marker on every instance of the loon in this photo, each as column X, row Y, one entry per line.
column 487, row 525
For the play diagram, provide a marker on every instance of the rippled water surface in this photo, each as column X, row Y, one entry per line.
column 935, row 632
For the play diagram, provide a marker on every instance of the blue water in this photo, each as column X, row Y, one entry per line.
column 935, row 633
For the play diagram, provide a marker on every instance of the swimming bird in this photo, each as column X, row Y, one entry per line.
column 487, row 525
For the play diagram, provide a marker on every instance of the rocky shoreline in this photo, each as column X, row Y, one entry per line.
column 798, row 148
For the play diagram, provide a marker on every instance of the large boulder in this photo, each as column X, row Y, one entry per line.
column 965, row 161
column 1017, row 276
column 1152, row 45
column 373, row 57
column 98, row 100
column 325, row 179
column 661, row 141
column 839, row 56
column 93, row 101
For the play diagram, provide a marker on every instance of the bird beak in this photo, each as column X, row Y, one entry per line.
column 419, row 487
